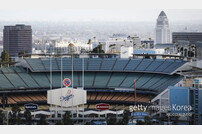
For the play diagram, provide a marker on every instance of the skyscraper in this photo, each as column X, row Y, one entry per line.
column 17, row 39
column 162, row 31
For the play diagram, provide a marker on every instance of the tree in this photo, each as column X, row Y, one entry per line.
column 89, row 42
column 2, row 117
column 125, row 119
column 5, row 57
column 98, row 49
column 58, row 123
column 28, row 117
column 148, row 120
column 21, row 53
column 42, row 120
column 66, row 119
column 140, row 122
column 111, row 121
column 15, row 116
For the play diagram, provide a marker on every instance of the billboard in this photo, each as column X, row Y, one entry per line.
column 66, row 97
column 102, row 106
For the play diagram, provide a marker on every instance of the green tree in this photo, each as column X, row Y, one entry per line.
column 148, row 120
column 15, row 116
column 21, row 53
column 2, row 117
column 58, row 123
column 42, row 120
column 89, row 42
column 5, row 57
column 139, row 122
column 112, row 121
column 98, row 49
column 66, row 119
column 28, row 117
column 125, row 119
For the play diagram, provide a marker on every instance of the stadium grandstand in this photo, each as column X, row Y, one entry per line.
column 106, row 79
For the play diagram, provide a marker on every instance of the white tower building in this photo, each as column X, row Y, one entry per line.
column 162, row 31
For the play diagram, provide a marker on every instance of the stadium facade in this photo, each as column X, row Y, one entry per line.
column 107, row 80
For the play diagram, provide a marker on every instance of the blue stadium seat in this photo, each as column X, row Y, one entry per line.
column 78, row 65
column 159, row 83
column 89, row 77
column 4, row 83
column 15, row 80
column 101, row 79
column 144, row 64
column 155, row 64
column 120, row 64
column 155, row 79
column 56, row 79
column 41, row 79
column 66, row 63
column 163, row 66
column 116, row 79
column 94, row 63
column 35, row 64
column 129, row 81
column 46, row 62
column 108, row 63
column 175, row 65
column 28, row 80
column 133, row 64
column 143, row 79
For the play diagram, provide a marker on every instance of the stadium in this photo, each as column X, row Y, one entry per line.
column 106, row 78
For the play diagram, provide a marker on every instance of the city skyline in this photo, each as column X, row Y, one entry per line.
column 136, row 15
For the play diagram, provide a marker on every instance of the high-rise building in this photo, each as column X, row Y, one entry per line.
column 192, row 37
column 17, row 39
column 162, row 31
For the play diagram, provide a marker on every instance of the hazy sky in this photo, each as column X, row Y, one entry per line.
column 98, row 15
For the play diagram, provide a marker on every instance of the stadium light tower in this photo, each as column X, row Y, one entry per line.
column 61, row 81
column 135, row 91
column 72, row 83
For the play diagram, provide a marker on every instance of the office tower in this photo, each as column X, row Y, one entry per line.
column 17, row 39
column 162, row 31
column 191, row 37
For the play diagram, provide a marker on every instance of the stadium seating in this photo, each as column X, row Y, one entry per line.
column 35, row 64
column 165, row 66
column 46, row 62
column 101, row 79
column 133, row 63
column 41, row 79
column 120, row 64
column 108, row 64
column 94, row 63
column 143, row 65
column 154, row 65
column 15, row 80
column 5, row 83
column 116, row 79
column 30, row 82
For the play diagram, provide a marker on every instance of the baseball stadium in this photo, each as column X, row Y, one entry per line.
column 107, row 79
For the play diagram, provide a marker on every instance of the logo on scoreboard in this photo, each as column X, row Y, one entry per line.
column 67, row 97
column 66, row 82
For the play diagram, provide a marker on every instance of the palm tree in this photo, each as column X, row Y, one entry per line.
column 124, row 42
column 89, row 43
